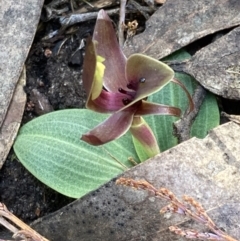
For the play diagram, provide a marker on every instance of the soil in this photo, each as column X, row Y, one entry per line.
column 53, row 77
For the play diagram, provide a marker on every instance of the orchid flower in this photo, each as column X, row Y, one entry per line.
column 120, row 86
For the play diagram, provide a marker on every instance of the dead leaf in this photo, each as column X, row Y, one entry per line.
column 12, row 121
column 207, row 170
column 178, row 23
column 217, row 66
column 21, row 231
column 18, row 24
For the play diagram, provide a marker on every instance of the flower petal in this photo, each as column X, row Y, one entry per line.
column 191, row 104
column 144, row 137
column 98, row 78
column 89, row 67
column 112, row 128
column 106, row 102
column 98, row 99
column 109, row 49
column 149, row 108
column 147, row 75
column 93, row 71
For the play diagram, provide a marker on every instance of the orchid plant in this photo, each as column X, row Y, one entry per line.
column 114, row 128
column 120, row 86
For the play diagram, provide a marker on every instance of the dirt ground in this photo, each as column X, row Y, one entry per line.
column 54, row 77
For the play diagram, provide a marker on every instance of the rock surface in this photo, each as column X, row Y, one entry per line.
column 178, row 23
column 207, row 170
column 217, row 66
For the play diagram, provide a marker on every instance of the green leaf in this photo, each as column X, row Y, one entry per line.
column 208, row 117
column 173, row 95
column 51, row 149
column 179, row 55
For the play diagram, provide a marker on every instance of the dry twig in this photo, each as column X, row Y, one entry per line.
column 140, row 9
column 121, row 23
column 25, row 233
column 74, row 18
column 195, row 212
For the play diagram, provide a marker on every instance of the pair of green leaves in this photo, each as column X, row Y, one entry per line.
column 51, row 149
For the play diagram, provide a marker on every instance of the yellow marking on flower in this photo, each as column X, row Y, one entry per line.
column 98, row 78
